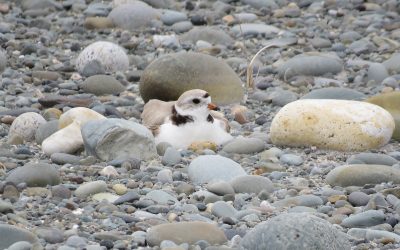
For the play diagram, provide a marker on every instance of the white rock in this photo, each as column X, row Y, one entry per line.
column 80, row 114
column 332, row 124
column 25, row 125
column 111, row 56
column 67, row 140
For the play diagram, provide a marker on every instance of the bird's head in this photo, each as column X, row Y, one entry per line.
column 195, row 103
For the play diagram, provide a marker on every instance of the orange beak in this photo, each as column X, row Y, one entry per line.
column 212, row 106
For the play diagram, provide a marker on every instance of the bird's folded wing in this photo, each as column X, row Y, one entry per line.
column 219, row 116
column 155, row 112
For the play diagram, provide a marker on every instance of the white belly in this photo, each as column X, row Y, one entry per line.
column 182, row 136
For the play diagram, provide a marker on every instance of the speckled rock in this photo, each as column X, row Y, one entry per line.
column 286, row 231
column 25, row 126
column 327, row 124
column 169, row 76
column 35, row 175
column 118, row 139
column 186, row 232
column 111, row 57
column 361, row 174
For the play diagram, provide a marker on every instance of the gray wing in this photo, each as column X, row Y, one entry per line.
column 155, row 112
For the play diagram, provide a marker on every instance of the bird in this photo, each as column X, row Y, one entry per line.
column 191, row 118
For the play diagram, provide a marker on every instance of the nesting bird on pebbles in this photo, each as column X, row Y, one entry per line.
column 192, row 118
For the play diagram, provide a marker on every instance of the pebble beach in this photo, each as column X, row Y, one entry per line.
column 315, row 159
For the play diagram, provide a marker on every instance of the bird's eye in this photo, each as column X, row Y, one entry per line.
column 206, row 95
column 196, row 101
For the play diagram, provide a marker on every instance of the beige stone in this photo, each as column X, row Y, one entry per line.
column 332, row 124
column 67, row 140
column 80, row 114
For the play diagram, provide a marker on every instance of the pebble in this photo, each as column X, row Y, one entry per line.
column 161, row 197
column 364, row 219
column 279, row 232
column 171, row 157
column 307, row 200
column 169, row 76
column 50, row 235
column 254, row 29
column 291, row 159
column 185, row 232
column 314, row 64
column 118, row 139
column 220, row 188
column 223, row 209
column 377, row 72
column 242, row 145
column 165, row 176
column 25, row 126
column 90, row 188
column 207, row 168
column 12, row 234
column 372, row 158
column 110, row 57
column 296, row 123
column 120, row 189
column 35, row 175
column 335, row 93
column 208, row 34
column 358, row 199
column 251, row 184
column 61, row 159
column 362, row 174
column 102, row 85
column 392, row 64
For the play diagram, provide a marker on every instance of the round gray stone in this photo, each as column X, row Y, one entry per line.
column 169, row 76
column 223, row 209
column 35, row 175
column 295, row 231
column 118, row 139
column 207, row 168
column 377, row 72
column 251, row 184
column 291, row 159
column 243, row 145
column 209, row 34
column 133, row 16
column 45, row 130
column 12, row 234
column 365, row 219
column 90, row 188
column 393, row 63
column 102, row 85
column 358, row 198
column 372, row 158
column 335, row 93
column 314, row 64
column 171, row 157
column 161, row 197
column 169, row 17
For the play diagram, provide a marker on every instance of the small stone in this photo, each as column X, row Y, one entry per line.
column 254, row 29
column 35, row 175
column 12, row 234
column 377, row 72
column 358, row 199
column 185, row 232
column 207, row 168
column 98, row 23
column 209, row 34
column 335, row 93
column 6, row 207
column 165, row 176
column 223, row 209
column 120, row 189
column 242, row 145
column 109, row 171
column 199, row 147
column 61, row 192
column 291, row 159
column 251, row 184
column 50, row 235
column 25, row 126
column 90, row 188
column 302, row 200
column 364, row 219
column 372, row 158
column 111, row 56
column 171, row 157
column 130, row 196
column 220, row 188
column 105, row 196
column 102, row 85
column 161, row 197
column 62, row 158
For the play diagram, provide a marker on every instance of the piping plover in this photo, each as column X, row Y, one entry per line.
column 189, row 119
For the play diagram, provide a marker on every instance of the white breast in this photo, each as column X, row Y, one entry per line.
column 182, row 136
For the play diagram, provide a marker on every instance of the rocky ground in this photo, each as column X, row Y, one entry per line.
column 269, row 188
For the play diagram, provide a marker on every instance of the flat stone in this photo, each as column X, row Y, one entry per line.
column 327, row 123
column 243, row 145
column 372, row 234
column 50, row 235
column 372, row 158
column 12, row 234
column 223, row 209
column 207, row 168
column 364, row 219
column 251, row 184
column 161, row 197
column 130, row 196
column 209, row 34
column 35, row 175
column 111, row 56
column 335, row 93
column 312, row 63
column 90, row 188
column 105, row 196
column 220, row 188
column 254, row 29
column 307, row 200
column 186, row 232
column 286, row 231
column 167, row 77
column 117, row 139
column 169, row 17
column 362, row 174
column 98, row 23
column 102, row 85
column 62, row 158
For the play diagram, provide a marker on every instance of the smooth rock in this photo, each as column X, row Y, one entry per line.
column 371, row 234
column 186, row 232
column 335, row 93
column 358, row 199
column 377, row 72
column 111, row 57
column 35, row 175
column 372, row 158
column 209, row 34
column 306, row 200
column 169, row 17
column 25, row 126
column 393, row 63
column 390, row 102
column 223, row 209
column 133, row 16
column 161, row 197
column 105, row 196
column 207, row 168
column 171, row 157
column 102, row 85
column 50, row 235
column 327, row 124
column 6, row 207
column 287, row 231
column 291, row 159
column 362, row 174
column 364, row 219
column 254, row 29
column 312, row 63
column 251, row 184
column 45, row 130
column 12, row 234
column 117, row 139
column 258, row 4
column 98, row 23
column 243, row 145
column 169, row 76
column 282, row 97
column 90, row 188
column 3, row 60
column 67, row 140
column 20, row 245
column 220, row 188
column 62, row 158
